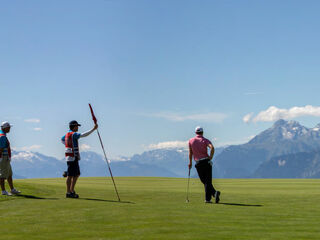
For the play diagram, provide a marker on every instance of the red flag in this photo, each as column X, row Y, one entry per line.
column 93, row 116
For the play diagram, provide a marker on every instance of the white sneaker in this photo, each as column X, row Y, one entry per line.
column 15, row 191
column 6, row 193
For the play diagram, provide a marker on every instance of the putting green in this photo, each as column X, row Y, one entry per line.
column 155, row 208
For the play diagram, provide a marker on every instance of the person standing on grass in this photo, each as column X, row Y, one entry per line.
column 70, row 140
column 198, row 149
column 5, row 158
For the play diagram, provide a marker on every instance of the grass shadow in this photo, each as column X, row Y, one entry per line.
column 33, row 197
column 105, row 200
column 242, row 205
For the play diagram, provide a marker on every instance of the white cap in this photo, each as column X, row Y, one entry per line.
column 5, row 125
column 199, row 129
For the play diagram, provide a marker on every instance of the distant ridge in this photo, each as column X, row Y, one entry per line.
column 287, row 149
column 154, row 163
column 298, row 165
column 284, row 137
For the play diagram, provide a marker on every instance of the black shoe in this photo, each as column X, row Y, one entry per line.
column 75, row 195
column 65, row 174
column 72, row 195
column 69, row 195
column 217, row 196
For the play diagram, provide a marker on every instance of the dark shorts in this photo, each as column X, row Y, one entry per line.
column 73, row 168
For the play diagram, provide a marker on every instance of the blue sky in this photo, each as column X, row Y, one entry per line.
column 153, row 70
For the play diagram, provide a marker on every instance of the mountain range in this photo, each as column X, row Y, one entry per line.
column 35, row 165
column 286, row 150
column 287, row 139
column 160, row 163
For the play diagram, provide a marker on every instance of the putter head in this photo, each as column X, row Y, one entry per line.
column 187, row 200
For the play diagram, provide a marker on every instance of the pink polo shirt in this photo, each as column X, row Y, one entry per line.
column 199, row 146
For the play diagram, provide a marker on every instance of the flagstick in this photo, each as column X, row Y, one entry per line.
column 115, row 187
column 104, row 152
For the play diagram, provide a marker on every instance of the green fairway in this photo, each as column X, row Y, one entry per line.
column 155, row 208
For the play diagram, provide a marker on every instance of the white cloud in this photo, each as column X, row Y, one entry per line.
column 30, row 148
column 205, row 117
column 253, row 93
column 37, row 129
column 85, row 147
column 273, row 113
column 119, row 159
column 185, row 145
column 169, row 144
column 32, row 120
column 247, row 117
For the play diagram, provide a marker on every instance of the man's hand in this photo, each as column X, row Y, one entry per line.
column 190, row 165
column 211, row 151
column 95, row 126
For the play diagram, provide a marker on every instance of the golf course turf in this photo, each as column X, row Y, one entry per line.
column 155, row 208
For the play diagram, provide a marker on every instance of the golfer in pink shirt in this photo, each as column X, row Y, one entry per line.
column 198, row 149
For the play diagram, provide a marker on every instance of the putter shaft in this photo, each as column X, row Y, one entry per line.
column 187, row 200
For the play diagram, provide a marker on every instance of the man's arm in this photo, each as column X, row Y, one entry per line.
column 3, row 141
column 190, row 157
column 63, row 140
column 85, row 134
column 211, row 150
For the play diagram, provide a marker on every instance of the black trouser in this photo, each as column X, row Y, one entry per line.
column 204, row 170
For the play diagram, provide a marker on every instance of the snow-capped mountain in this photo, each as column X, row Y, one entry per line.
column 284, row 137
column 157, row 163
column 35, row 165
column 93, row 164
column 174, row 161
column 287, row 149
column 288, row 130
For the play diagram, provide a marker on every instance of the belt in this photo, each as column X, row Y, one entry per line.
column 202, row 160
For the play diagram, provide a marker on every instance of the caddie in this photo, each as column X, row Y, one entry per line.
column 198, row 149
column 5, row 158
column 72, row 154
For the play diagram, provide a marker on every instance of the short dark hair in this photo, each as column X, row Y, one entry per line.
column 73, row 123
column 71, row 127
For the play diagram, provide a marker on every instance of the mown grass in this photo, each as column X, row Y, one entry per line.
column 155, row 208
